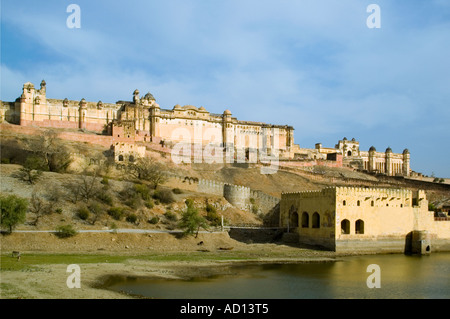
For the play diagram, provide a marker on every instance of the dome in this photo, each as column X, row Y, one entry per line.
column 202, row 108
column 177, row 107
column 406, row 151
column 372, row 149
column 388, row 150
column 149, row 97
column 345, row 139
column 227, row 112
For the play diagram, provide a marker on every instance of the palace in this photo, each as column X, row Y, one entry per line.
column 356, row 219
column 143, row 120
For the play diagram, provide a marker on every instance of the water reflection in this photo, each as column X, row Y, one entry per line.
column 401, row 277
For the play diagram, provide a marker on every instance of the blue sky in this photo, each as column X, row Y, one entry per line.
column 312, row 64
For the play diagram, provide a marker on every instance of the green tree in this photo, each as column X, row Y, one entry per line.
column 191, row 221
column 13, row 211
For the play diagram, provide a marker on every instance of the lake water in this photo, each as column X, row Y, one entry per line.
column 401, row 276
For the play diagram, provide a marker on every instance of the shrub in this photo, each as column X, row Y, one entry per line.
column 58, row 210
column 210, row 208
column 113, row 227
column 105, row 197
column 213, row 218
column 171, row 216
column 143, row 191
column 65, row 231
column 132, row 218
column 149, row 204
column 134, row 202
column 116, row 212
column 154, row 220
column 255, row 209
column 189, row 202
column 177, row 191
column 164, row 196
column 105, row 181
column 83, row 213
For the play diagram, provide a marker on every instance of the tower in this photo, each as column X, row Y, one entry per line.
column 82, row 116
column 388, row 162
column 406, row 165
column 372, row 163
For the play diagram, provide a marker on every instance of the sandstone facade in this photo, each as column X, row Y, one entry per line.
column 362, row 219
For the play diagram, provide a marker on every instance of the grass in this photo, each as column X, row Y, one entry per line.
column 31, row 262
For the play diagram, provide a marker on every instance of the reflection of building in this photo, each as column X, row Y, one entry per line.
column 361, row 219
column 150, row 122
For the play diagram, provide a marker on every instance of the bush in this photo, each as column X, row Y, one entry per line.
column 58, row 210
column 105, row 197
column 210, row 208
column 83, row 213
column 132, row 218
column 65, row 231
column 213, row 218
column 116, row 212
column 164, row 196
column 143, row 191
column 149, row 204
column 171, row 216
column 177, row 191
column 189, row 202
column 154, row 220
column 105, row 181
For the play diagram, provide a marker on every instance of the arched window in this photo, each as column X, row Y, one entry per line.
column 345, row 227
column 120, row 158
column 372, row 203
column 305, row 220
column 316, row 220
column 131, row 158
column 358, row 203
column 294, row 219
column 344, row 203
column 349, row 153
column 359, row 226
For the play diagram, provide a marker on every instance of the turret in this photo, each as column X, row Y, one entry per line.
column 136, row 99
column 389, row 170
column 406, row 163
column 82, row 114
column 372, row 163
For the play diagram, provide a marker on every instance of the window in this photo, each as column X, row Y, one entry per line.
column 344, row 203
column 316, row 220
column 120, row 158
column 345, row 227
column 358, row 203
column 359, row 226
column 372, row 203
column 294, row 219
column 305, row 220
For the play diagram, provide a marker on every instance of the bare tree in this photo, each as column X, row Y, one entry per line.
column 51, row 150
column 83, row 187
column 148, row 169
